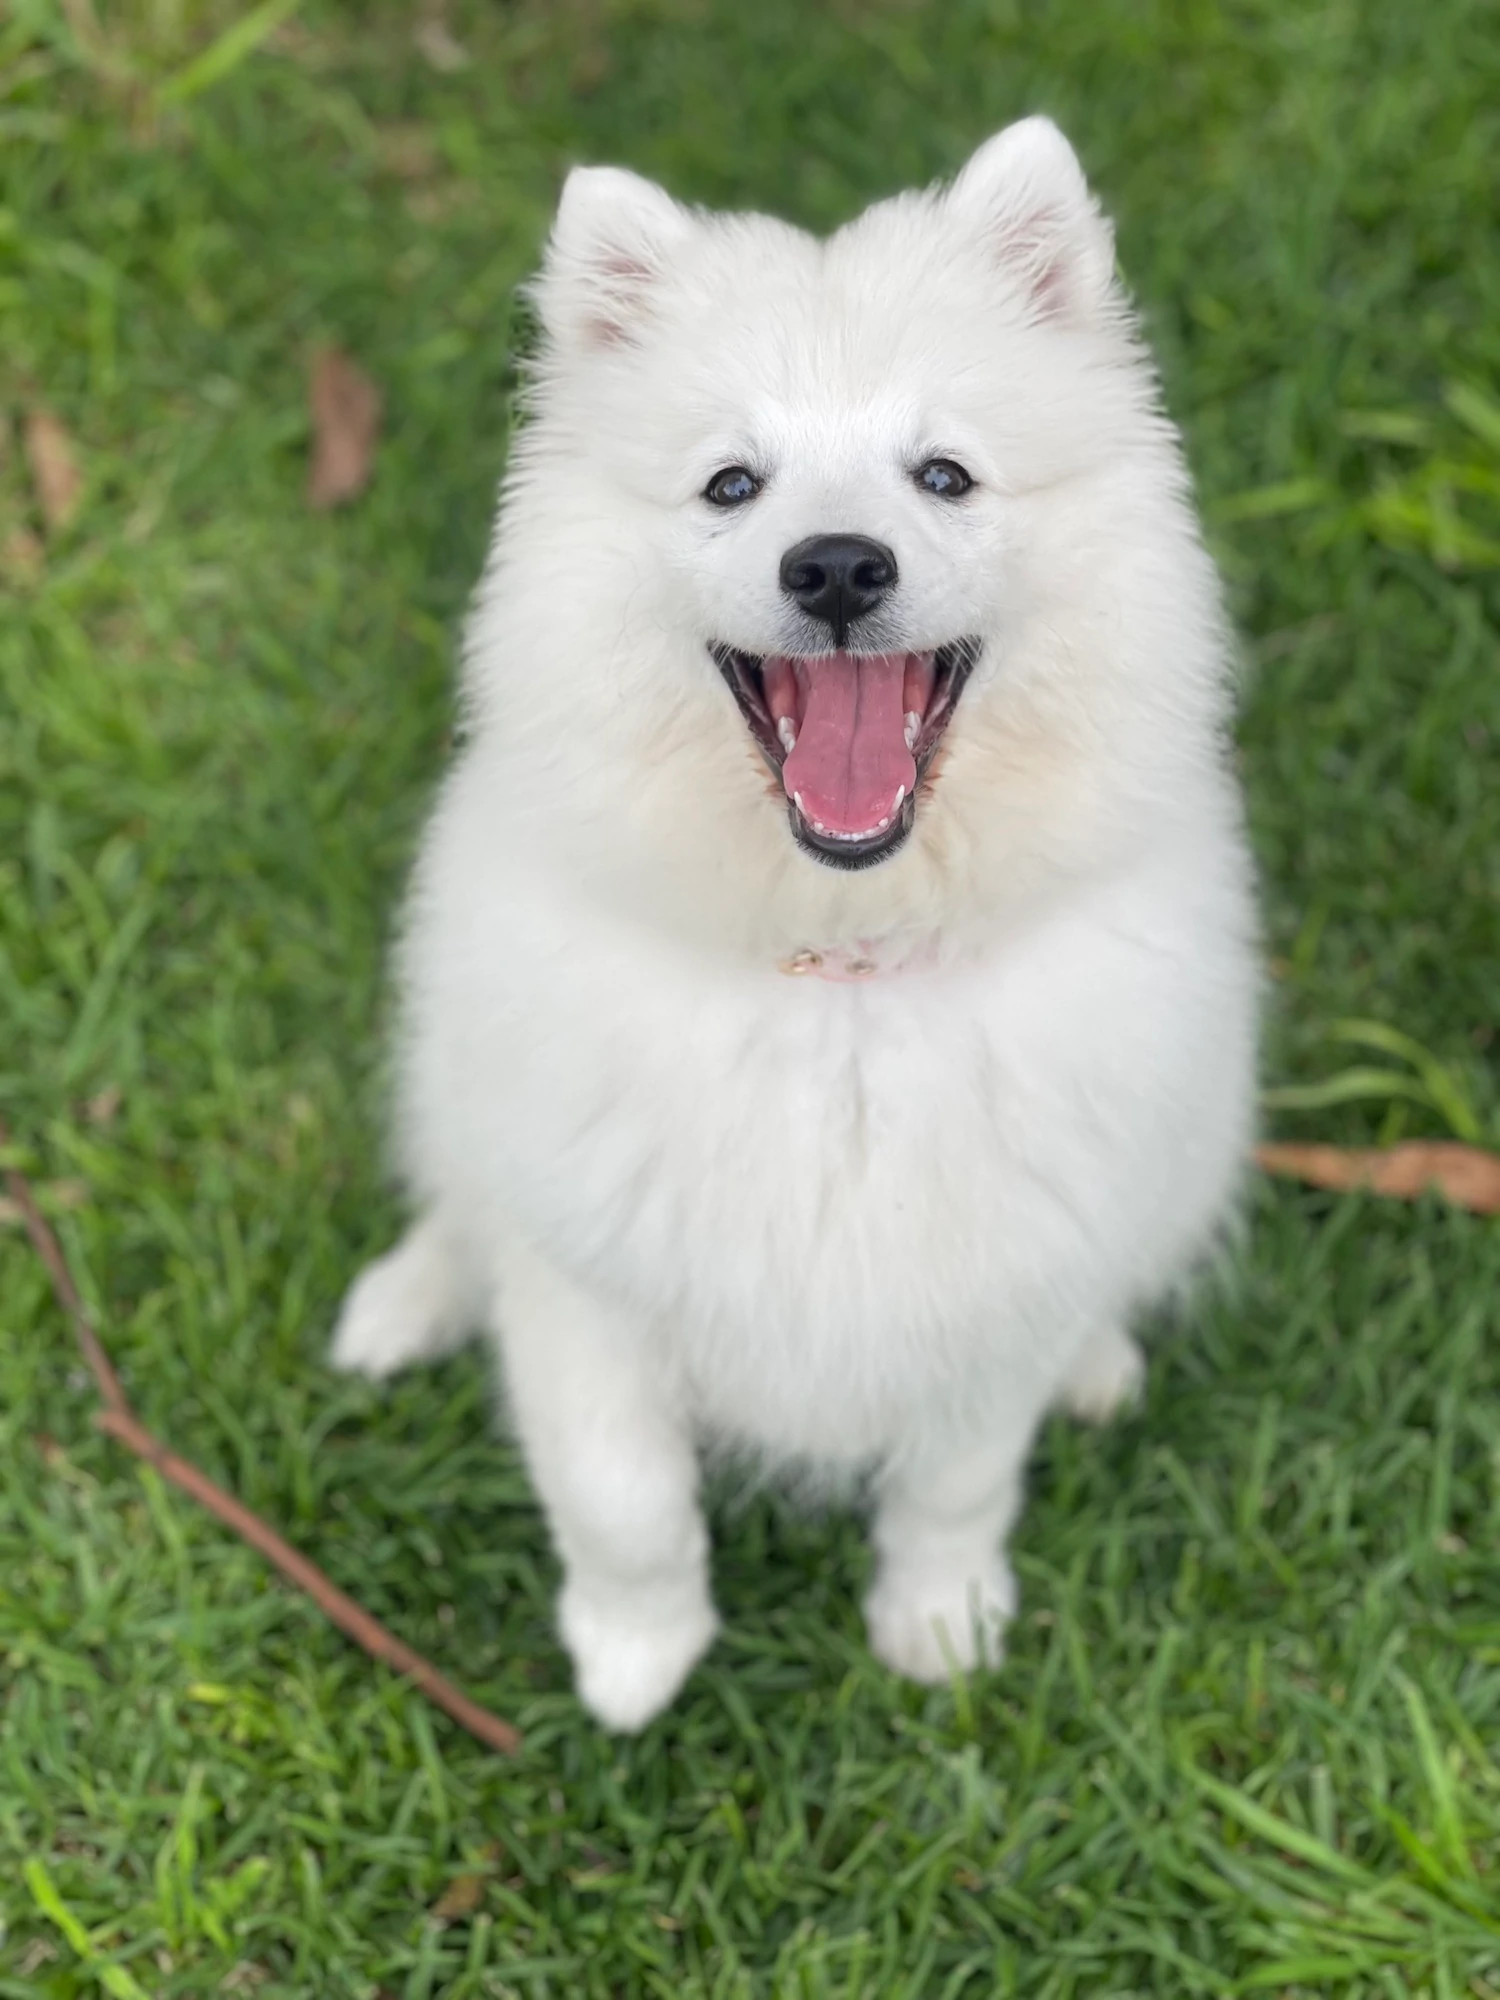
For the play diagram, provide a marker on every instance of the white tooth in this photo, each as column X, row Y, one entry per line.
column 896, row 803
column 913, row 728
column 797, row 801
column 786, row 729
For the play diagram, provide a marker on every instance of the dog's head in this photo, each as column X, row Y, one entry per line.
column 808, row 466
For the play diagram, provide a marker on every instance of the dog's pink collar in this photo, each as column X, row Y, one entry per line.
column 846, row 967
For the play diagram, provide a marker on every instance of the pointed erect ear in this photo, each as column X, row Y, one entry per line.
column 1023, row 193
column 612, row 243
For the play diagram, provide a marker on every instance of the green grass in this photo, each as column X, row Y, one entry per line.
column 1245, row 1738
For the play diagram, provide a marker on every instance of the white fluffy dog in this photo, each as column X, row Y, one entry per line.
column 829, row 982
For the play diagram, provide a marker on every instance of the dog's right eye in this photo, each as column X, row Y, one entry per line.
column 945, row 477
column 732, row 487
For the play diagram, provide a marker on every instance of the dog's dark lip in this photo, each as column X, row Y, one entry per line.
column 852, row 854
column 953, row 665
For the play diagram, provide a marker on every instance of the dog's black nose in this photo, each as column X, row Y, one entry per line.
column 838, row 578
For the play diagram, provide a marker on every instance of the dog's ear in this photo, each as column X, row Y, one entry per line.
column 1025, row 194
column 611, row 245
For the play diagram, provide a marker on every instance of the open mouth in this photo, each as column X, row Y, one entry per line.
column 851, row 736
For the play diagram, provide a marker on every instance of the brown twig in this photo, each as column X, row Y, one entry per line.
column 121, row 1422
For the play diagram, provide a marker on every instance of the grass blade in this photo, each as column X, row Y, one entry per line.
column 226, row 53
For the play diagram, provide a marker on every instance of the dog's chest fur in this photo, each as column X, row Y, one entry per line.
column 835, row 1202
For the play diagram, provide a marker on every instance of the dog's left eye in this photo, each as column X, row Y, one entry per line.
column 943, row 476
column 732, row 487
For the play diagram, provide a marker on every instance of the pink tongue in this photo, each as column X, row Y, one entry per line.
column 851, row 759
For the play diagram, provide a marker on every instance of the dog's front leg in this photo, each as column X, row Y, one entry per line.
column 943, row 1591
column 616, row 1471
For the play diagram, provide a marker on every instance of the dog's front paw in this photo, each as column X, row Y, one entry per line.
column 930, row 1625
column 632, row 1650
column 400, row 1309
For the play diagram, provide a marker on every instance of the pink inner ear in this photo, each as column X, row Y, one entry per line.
column 1036, row 247
column 621, row 283
column 1050, row 287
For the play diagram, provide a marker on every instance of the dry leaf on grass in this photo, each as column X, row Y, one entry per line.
column 104, row 1107
column 461, row 1898
column 345, row 408
column 1465, row 1174
column 436, row 41
column 465, row 1893
column 54, row 469
column 244, row 1977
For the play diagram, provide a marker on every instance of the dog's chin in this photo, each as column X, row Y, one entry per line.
column 850, row 738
